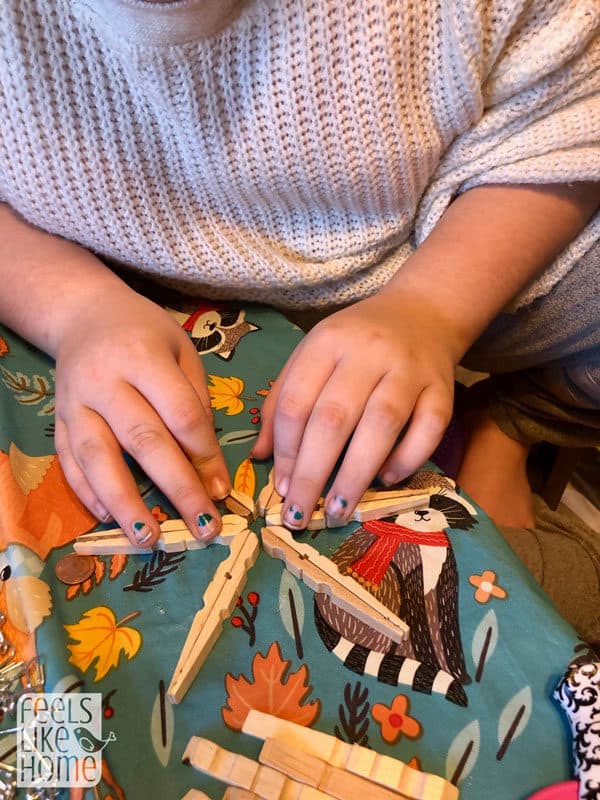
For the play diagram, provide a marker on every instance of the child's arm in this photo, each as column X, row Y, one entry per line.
column 127, row 378
column 367, row 371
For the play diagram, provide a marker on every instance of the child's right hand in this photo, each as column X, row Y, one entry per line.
column 129, row 379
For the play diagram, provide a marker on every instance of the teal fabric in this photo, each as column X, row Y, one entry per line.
column 528, row 643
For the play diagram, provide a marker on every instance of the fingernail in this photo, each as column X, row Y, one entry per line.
column 389, row 478
column 218, row 489
column 207, row 525
column 337, row 507
column 282, row 485
column 141, row 532
column 294, row 517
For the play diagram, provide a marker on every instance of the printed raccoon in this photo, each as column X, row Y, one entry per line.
column 409, row 565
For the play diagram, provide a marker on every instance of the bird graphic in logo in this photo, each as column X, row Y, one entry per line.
column 88, row 742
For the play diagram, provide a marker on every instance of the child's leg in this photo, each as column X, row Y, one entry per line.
column 545, row 362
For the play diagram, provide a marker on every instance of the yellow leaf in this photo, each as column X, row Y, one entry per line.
column 244, row 479
column 29, row 471
column 224, row 394
column 102, row 639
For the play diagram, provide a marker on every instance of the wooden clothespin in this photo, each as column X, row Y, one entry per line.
column 240, row 771
column 267, row 498
column 241, row 504
column 372, row 505
column 302, row 767
column 218, row 602
column 175, row 536
column 321, row 575
column 362, row 761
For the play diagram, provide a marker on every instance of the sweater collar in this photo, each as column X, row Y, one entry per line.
column 159, row 24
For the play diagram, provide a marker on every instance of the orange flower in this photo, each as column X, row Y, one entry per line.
column 486, row 586
column 395, row 720
column 159, row 514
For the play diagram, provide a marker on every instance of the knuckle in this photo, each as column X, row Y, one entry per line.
column 290, row 408
column 142, row 438
column 184, row 496
column 331, row 415
column 437, row 419
column 188, row 418
column 87, row 450
column 386, row 415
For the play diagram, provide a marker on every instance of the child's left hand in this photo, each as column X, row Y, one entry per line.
column 358, row 378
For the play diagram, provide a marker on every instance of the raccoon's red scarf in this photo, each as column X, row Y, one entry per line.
column 372, row 565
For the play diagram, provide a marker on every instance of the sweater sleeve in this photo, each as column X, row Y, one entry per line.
column 538, row 67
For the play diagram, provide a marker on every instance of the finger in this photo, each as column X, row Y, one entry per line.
column 98, row 457
column 142, row 433
column 75, row 477
column 385, row 414
column 330, row 425
column 430, row 418
column 264, row 445
column 185, row 413
column 208, row 460
column 298, row 394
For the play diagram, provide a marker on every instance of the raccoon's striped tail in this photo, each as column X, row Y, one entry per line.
column 389, row 668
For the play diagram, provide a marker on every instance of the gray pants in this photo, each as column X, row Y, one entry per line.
column 545, row 362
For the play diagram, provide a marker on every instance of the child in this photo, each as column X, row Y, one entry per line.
column 417, row 166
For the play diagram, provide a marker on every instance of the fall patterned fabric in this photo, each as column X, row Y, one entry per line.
column 468, row 696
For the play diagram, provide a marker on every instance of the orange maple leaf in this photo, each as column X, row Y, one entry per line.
column 100, row 640
column 270, row 691
column 4, row 349
column 245, row 478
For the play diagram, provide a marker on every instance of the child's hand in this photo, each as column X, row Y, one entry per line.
column 360, row 375
column 128, row 379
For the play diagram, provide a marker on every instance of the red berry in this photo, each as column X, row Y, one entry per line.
column 239, row 601
column 255, row 420
column 254, row 410
column 253, row 598
column 109, row 712
column 237, row 622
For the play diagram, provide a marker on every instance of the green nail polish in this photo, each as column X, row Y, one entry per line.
column 204, row 519
column 137, row 526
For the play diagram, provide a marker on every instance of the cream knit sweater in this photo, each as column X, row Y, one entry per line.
column 297, row 156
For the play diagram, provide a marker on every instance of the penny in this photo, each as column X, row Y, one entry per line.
column 73, row 568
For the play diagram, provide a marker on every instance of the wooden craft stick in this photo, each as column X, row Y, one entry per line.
column 320, row 574
column 309, row 769
column 233, row 793
column 175, row 536
column 240, row 771
column 239, row 503
column 378, row 505
column 195, row 794
column 268, row 497
column 218, row 602
column 362, row 761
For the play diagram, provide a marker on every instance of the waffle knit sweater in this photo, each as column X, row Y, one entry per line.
column 300, row 154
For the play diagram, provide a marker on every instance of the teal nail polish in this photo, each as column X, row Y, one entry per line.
column 204, row 519
column 294, row 516
column 141, row 532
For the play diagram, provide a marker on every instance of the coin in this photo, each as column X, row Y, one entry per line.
column 74, row 568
